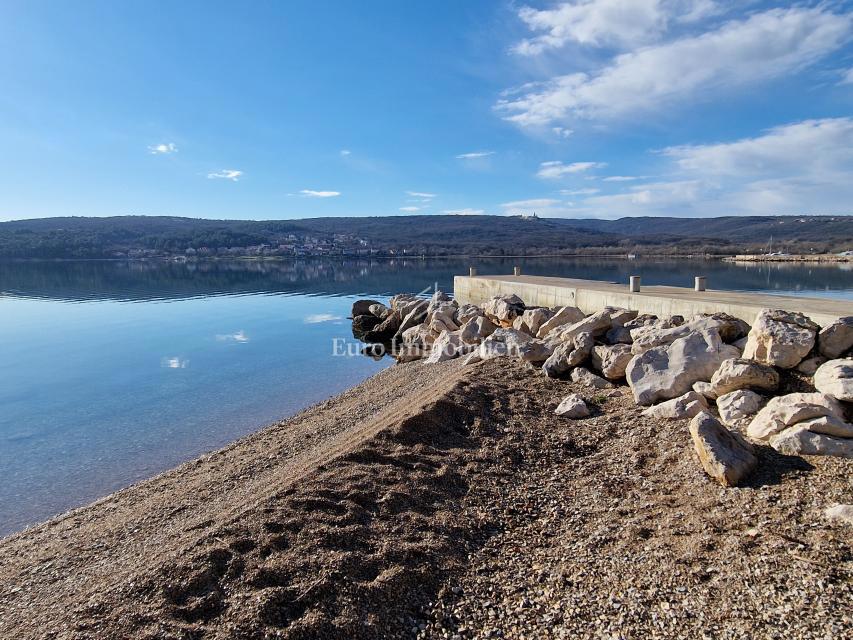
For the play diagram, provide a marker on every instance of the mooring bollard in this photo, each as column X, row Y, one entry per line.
column 516, row 271
column 700, row 282
column 634, row 284
column 472, row 272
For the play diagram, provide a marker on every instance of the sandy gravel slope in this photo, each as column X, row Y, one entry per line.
column 441, row 501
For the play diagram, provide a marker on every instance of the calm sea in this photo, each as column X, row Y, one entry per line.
column 111, row 372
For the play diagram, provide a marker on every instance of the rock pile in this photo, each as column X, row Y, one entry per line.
column 713, row 368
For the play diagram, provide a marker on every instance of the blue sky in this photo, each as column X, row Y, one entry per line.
column 591, row 108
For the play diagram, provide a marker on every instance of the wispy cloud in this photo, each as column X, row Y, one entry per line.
column 847, row 77
column 321, row 317
column 530, row 204
column 226, row 174
column 464, row 212
column 474, row 154
column 556, row 169
column 163, row 148
column 239, row 336
column 310, row 193
column 345, row 152
column 761, row 47
column 410, row 209
column 420, row 194
column 621, row 178
column 562, row 132
column 578, row 192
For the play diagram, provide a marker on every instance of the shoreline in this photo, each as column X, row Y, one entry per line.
column 448, row 499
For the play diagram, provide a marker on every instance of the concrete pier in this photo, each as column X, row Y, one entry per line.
column 593, row 295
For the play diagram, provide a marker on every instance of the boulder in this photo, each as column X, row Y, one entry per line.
column 362, row 307
column 596, row 324
column 439, row 299
column 836, row 338
column 705, row 389
column 730, row 328
column 829, row 425
column 611, row 361
column 737, row 408
column 535, row 352
column 724, row 456
column 798, row 440
column 572, row 406
column 467, row 312
column 588, row 379
column 835, row 378
column 416, row 315
column 785, row 411
column 643, row 320
column 618, row 335
column 840, row 513
column 504, row 342
column 564, row 315
column 409, row 353
column 364, row 323
column 447, row 346
column 670, row 370
column 477, row 329
column 686, row 406
column 619, row 316
column 531, row 320
column 418, row 335
column 780, row 338
column 504, row 309
column 395, row 302
column 380, row 310
column 810, row 365
column 384, row 331
column 650, row 336
column 568, row 354
column 740, row 373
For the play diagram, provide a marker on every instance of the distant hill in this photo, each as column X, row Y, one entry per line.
column 142, row 236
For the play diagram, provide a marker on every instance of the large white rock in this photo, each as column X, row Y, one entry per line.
column 531, row 320
column 798, row 440
column 572, row 406
column 588, row 379
column 724, row 455
column 504, row 342
column 447, row 346
column 504, row 309
column 596, row 324
column 740, row 373
column 810, row 365
column 654, row 335
column 780, row 338
column 737, row 408
column 477, row 329
column 670, row 370
column 568, row 354
column 611, row 360
column 836, row 338
column 830, row 425
column 686, row 406
column 785, row 411
column 467, row 312
column 565, row 315
column 835, row 378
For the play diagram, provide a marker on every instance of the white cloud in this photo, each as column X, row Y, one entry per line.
column 226, row 174
column 163, row 148
column 310, row 193
column 474, row 154
column 529, row 204
column 345, row 152
column 321, row 317
column 420, row 194
column 562, row 132
column 778, row 152
column 410, row 209
column 464, row 212
column 620, row 178
column 578, row 192
column 174, row 363
column 847, row 77
column 556, row 169
column 239, row 336
column 604, row 22
column 763, row 46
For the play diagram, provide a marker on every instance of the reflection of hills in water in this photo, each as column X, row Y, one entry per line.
column 141, row 281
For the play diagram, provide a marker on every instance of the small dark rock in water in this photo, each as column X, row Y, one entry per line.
column 375, row 351
column 384, row 331
column 363, row 323
column 362, row 307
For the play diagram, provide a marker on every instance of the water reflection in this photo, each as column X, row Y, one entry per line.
column 144, row 281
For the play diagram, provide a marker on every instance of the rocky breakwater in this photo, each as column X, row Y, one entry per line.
column 782, row 382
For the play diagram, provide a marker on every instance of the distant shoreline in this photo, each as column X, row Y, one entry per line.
column 788, row 258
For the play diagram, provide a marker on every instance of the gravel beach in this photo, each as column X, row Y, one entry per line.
column 444, row 501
